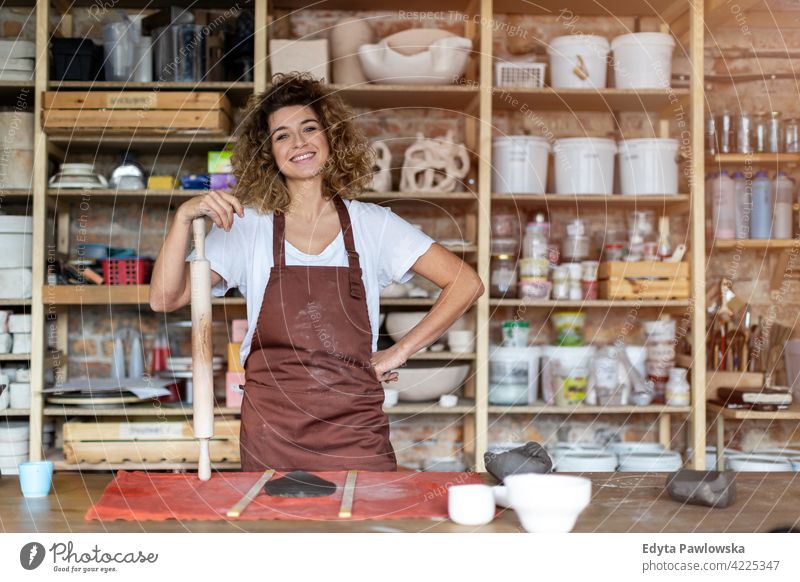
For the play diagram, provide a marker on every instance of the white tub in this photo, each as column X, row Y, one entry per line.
column 648, row 166
column 519, row 164
column 584, row 165
column 643, row 60
column 574, row 359
column 578, row 61
column 16, row 240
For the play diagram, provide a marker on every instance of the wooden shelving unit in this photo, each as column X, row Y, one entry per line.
column 476, row 101
column 766, row 244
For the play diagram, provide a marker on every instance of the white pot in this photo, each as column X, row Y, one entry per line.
column 585, row 462
column 643, row 60
column 20, row 396
column 470, row 504
column 440, row 62
column 665, row 461
column 519, row 164
column 648, row 166
column 548, row 503
column 420, row 381
column 578, row 61
column 9, row 465
column 584, row 165
column 16, row 283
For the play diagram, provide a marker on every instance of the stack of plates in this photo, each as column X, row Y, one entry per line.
column 16, row 60
column 97, row 400
column 14, row 446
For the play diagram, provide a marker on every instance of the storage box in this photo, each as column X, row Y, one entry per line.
column 304, row 56
column 234, row 389
column 147, row 112
column 146, row 442
column 220, row 162
column 643, row 280
column 234, row 361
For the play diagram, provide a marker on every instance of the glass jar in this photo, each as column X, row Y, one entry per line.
column 744, row 134
column 503, row 280
column 774, row 132
column 791, row 136
column 726, row 133
column 505, row 224
column 760, row 133
column 711, row 136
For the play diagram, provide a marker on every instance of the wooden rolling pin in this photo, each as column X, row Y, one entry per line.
column 202, row 352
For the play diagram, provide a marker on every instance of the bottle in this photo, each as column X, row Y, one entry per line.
column 791, row 135
column 678, row 388
column 744, row 205
column 774, row 132
column 723, row 206
column 782, row 222
column 763, row 202
column 744, row 133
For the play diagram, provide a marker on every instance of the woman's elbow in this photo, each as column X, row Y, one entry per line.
column 160, row 303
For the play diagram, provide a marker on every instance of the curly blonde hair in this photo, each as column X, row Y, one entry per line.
column 260, row 185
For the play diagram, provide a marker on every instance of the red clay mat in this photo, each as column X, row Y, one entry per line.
column 138, row 496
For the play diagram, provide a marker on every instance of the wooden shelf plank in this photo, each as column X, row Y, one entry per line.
column 576, row 200
column 133, row 410
column 14, row 357
column 166, row 144
column 593, row 410
column 593, row 304
column 550, row 99
column 766, row 244
column 15, row 302
column 398, row 96
column 464, row 406
column 438, row 356
column 15, row 195
column 793, row 413
column 111, row 295
column 15, row 412
column 785, row 159
column 237, row 91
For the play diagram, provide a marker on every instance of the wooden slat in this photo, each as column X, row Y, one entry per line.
column 647, row 289
column 159, row 430
column 148, row 451
column 137, row 100
column 82, row 120
column 641, row 269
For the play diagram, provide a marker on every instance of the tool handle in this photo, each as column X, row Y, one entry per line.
column 199, row 232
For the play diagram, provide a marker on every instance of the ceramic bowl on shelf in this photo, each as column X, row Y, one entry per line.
column 399, row 323
column 585, row 462
column 548, row 503
column 422, row 380
column 759, row 463
column 626, row 448
column 661, row 461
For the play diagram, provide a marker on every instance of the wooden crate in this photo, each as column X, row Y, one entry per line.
column 146, row 442
column 147, row 112
column 643, row 280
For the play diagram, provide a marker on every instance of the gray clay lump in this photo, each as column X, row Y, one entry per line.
column 299, row 484
column 709, row 488
column 529, row 458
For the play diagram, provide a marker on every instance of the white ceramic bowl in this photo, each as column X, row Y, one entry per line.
column 662, row 461
column 548, row 503
column 500, row 495
column 585, row 462
column 470, row 504
column 759, row 463
column 399, row 323
column 421, row 380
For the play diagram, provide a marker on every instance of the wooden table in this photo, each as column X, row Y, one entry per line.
column 622, row 502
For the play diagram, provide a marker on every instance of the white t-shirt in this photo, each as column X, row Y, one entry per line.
column 388, row 247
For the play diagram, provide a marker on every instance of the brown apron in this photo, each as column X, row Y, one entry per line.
column 312, row 400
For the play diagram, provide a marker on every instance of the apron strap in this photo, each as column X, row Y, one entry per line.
column 354, row 266
column 349, row 246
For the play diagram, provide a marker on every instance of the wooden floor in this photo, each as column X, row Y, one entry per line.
column 622, row 502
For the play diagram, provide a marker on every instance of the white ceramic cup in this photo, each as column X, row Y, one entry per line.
column 470, row 504
column 390, row 397
column 548, row 503
column 461, row 341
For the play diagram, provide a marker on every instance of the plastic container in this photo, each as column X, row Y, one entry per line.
column 723, row 206
column 584, row 165
column 663, row 461
column 568, row 327
column 520, row 164
column 76, row 59
column 744, row 200
column 648, row 166
column 643, row 60
column 119, row 41
column 129, row 271
column 514, row 375
column 578, row 61
column 782, row 221
column 570, row 362
column 763, row 204
column 585, row 462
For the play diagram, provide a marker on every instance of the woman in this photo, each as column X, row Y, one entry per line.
column 311, row 263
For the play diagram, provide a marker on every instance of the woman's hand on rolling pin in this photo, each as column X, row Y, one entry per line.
column 218, row 205
column 385, row 361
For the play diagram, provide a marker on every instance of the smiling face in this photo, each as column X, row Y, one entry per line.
column 299, row 144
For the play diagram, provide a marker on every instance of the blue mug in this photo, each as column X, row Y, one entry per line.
column 35, row 478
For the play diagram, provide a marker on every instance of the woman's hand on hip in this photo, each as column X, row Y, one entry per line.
column 218, row 205
column 385, row 361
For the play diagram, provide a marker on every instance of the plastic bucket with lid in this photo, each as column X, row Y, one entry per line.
column 520, row 164
column 565, row 373
column 648, row 166
column 513, row 375
column 578, row 61
column 643, row 60
column 584, row 165
column 585, row 462
column 668, row 461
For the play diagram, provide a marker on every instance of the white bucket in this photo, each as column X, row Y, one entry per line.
column 648, row 166
column 16, row 240
column 578, row 61
column 643, row 60
column 520, row 164
column 575, row 360
column 513, row 375
column 584, row 165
